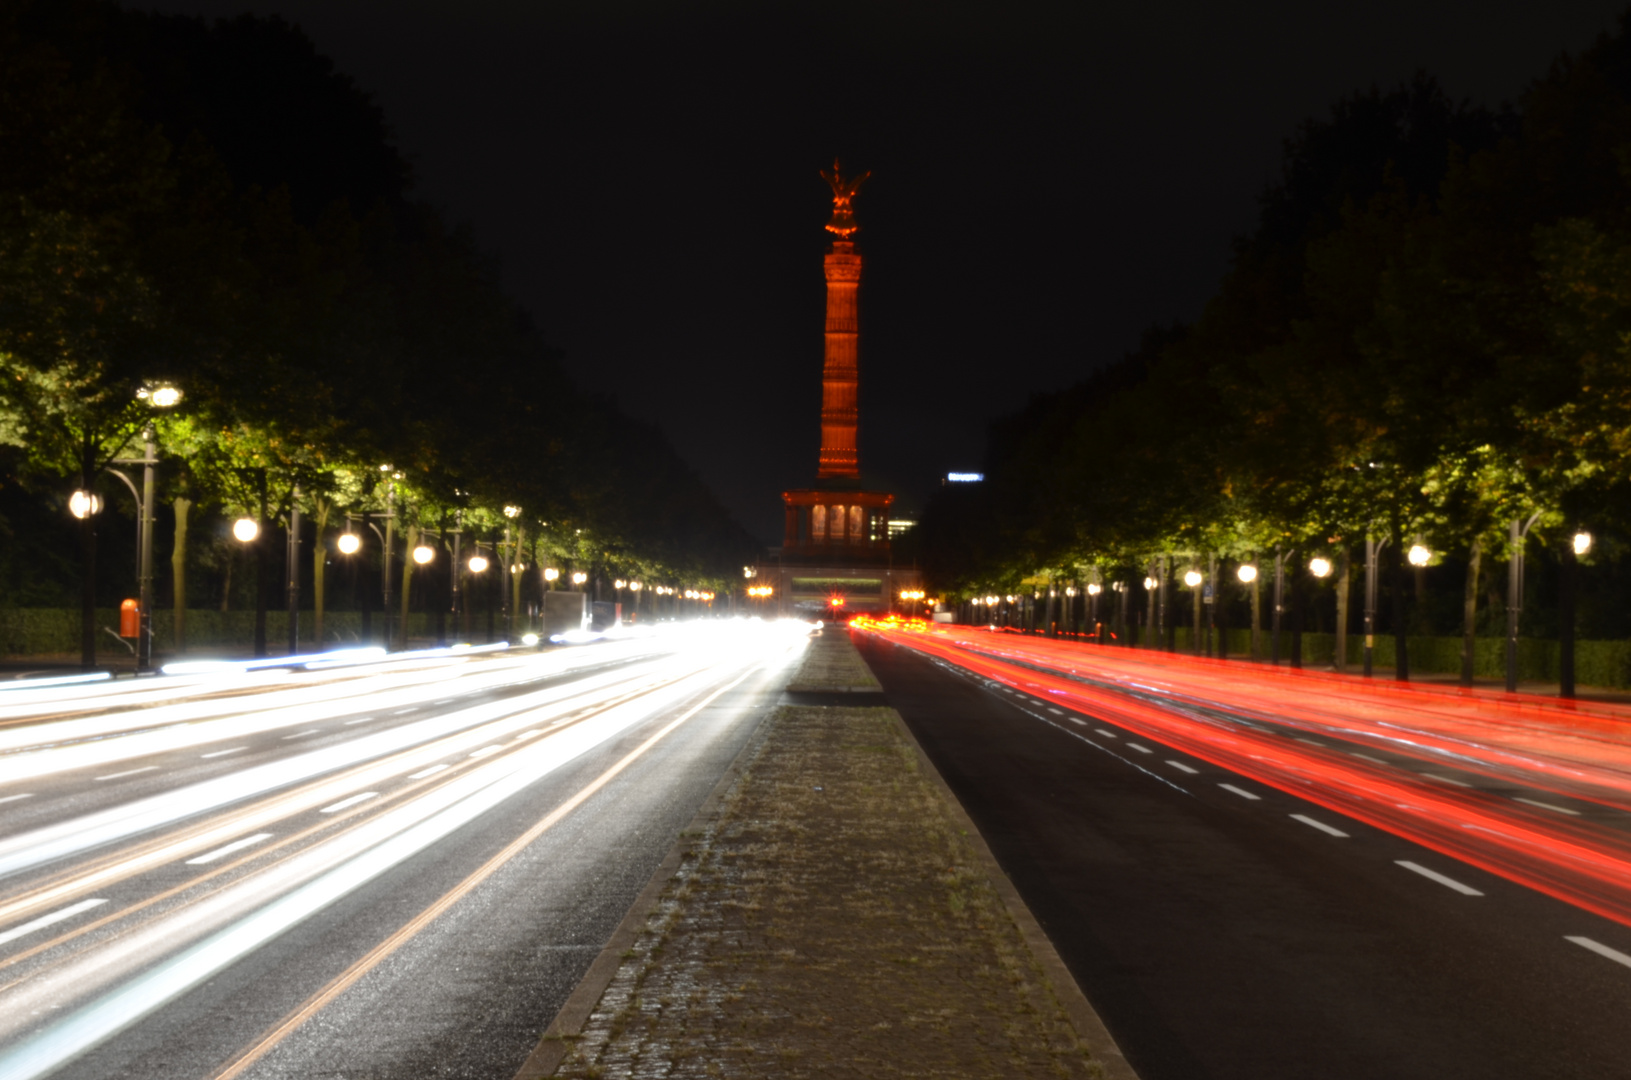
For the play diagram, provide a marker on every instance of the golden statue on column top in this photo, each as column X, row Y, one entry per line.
column 843, row 223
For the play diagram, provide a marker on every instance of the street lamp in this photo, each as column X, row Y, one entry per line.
column 477, row 564
column 1247, row 572
column 1320, row 567
column 423, row 554
column 1582, row 542
column 83, row 503
column 1419, row 555
column 1192, row 578
column 579, row 577
column 245, row 529
column 550, row 573
column 349, row 543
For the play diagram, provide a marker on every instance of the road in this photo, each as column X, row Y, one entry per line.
column 397, row 869
column 1267, row 877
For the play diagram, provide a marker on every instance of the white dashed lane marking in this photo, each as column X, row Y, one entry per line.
column 1056, row 712
column 1183, row 768
column 1600, row 949
column 1367, row 757
column 484, row 751
column 363, row 719
column 1106, row 734
column 224, row 753
column 1320, row 825
column 128, row 772
column 228, row 849
column 1242, row 792
column 1546, row 805
column 1446, row 780
column 302, row 734
column 352, row 801
column 1434, row 875
column 1140, row 749
column 14, row 798
column 47, row 920
column 422, row 773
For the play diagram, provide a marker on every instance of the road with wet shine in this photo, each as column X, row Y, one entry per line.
column 1225, row 929
column 399, row 870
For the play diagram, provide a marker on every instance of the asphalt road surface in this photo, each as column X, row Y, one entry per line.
column 1226, row 928
column 392, row 871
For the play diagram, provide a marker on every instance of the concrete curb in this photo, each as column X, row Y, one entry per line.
column 1083, row 1017
column 557, row 1039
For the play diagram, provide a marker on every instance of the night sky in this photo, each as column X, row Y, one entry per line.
column 1048, row 180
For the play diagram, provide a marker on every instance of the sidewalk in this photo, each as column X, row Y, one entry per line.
column 834, row 914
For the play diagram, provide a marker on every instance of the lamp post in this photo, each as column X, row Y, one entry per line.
column 1373, row 551
column 1247, row 573
column 1518, row 531
column 1193, row 579
column 294, row 569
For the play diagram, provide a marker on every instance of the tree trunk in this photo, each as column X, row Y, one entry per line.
column 1297, row 600
column 320, row 509
column 407, row 581
column 1344, row 580
column 1469, row 612
column 515, row 578
column 1401, row 631
column 226, row 581
column 1565, row 619
column 178, row 573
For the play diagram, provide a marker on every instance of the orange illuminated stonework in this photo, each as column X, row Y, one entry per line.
column 835, row 552
column 840, row 369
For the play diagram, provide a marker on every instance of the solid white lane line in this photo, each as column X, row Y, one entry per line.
column 422, row 773
column 1599, row 948
column 484, row 751
column 302, row 734
column 228, row 849
column 1367, row 757
column 1106, row 734
column 1056, row 712
column 1546, row 805
column 1434, row 875
column 360, row 720
column 1140, row 749
column 127, row 772
column 1320, row 825
column 1242, row 792
column 14, row 798
column 224, row 753
column 1182, row 767
column 1446, row 779
column 343, row 803
column 47, row 920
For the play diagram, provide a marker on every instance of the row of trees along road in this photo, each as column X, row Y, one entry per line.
column 215, row 207
column 1425, row 340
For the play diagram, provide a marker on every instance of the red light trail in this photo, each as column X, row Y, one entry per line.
column 1253, row 720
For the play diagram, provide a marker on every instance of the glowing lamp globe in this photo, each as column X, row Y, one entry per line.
column 1319, row 567
column 83, row 504
column 1192, row 578
column 1582, row 542
column 477, row 563
column 245, row 529
column 349, row 543
column 1419, row 556
column 1247, row 573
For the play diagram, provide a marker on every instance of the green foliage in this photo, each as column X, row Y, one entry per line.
column 1426, row 333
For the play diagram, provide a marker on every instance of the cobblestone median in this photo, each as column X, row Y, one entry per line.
column 832, row 920
column 832, row 663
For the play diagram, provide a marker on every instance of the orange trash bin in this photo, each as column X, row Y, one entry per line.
column 130, row 619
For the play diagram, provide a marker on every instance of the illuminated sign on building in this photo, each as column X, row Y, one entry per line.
column 964, row 477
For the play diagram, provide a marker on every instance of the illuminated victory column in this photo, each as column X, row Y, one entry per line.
column 840, row 375
column 835, row 551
